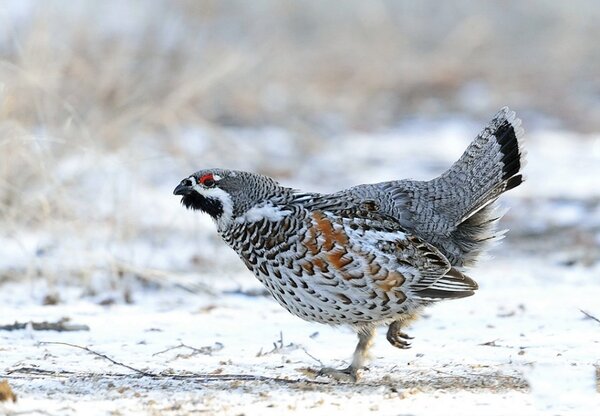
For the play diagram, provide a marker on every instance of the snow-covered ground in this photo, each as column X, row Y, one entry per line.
column 162, row 295
column 105, row 106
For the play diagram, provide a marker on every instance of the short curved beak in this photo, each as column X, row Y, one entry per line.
column 183, row 188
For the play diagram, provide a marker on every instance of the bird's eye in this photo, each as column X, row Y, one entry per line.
column 207, row 180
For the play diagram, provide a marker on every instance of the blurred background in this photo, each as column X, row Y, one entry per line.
column 106, row 105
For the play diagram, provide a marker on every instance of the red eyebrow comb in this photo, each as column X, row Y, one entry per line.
column 206, row 177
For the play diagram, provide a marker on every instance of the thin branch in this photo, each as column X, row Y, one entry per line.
column 106, row 357
column 447, row 374
column 37, row 371
column 312, row 356
column 202, row 378
column 26, row 412
column 169, row 349
column 174, row 376
column 589, row 315
column 60, row 326
column 491, row 343
column 207, row 350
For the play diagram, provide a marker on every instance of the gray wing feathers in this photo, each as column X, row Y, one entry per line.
column 452, row 285
column 436, row 280
column 440, row 281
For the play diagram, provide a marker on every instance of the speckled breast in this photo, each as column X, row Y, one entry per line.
column 323, row 268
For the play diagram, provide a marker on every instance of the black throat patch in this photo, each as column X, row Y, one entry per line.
column 197, row 202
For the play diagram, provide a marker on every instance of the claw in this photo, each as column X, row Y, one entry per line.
column 400, row 343
column 396, row 337
column 405, row 346
column 349, row 374
column 399, row 339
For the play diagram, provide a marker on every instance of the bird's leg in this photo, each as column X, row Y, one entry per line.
column 396, row 337
column 365, row 341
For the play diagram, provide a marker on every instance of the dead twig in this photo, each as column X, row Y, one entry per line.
column 206, row 350
column 491, row 343
column 589, row 315
column 279, row 347
column 34, row 371
column 106, row 357
column 60, row 326
column 174, row 376
column 252, row 293
column 197, row 377
column 312, row 356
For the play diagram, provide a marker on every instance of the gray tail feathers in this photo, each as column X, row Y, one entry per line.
column 490, row 166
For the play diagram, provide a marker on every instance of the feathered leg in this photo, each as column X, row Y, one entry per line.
column 365, row 341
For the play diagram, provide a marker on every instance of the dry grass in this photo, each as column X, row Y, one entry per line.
column 106, row 77
column 6, row 393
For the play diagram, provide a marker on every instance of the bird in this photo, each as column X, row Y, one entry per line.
column 373, row 255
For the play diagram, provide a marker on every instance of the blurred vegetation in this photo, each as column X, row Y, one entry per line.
column 96, row 74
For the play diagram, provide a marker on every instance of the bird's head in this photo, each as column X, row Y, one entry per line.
column 225, row 194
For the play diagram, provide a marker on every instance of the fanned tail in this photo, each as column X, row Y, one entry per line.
column 490, row 166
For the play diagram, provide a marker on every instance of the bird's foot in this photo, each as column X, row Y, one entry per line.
column 398, row 339
column 349, row 374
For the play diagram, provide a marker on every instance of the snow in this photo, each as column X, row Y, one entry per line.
column 146, row 276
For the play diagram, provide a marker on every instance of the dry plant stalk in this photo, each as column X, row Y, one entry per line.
column 6, row 392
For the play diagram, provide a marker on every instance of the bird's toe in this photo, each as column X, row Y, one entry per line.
column 349, row 374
